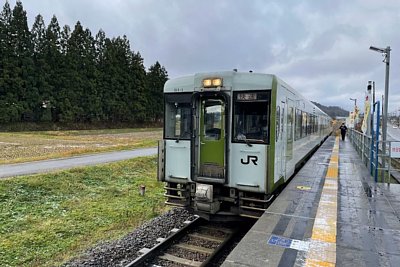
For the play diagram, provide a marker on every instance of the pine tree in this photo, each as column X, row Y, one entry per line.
column 53, row 74
column 8, row 99
column 42, row 70
column 92, row 95
column 22, row 66
column 65, row 35
column 38, row 35
column 100, row 46
column 54, row 60
column 156, row 78
column 139, row 99
column 116, row 80
column 81, row 88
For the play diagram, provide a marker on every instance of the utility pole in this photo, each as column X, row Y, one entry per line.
column 386, row 53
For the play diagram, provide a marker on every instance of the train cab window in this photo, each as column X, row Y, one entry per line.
column 177, row 117
column 251, row 117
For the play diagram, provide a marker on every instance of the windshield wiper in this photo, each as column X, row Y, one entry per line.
column 248, row 142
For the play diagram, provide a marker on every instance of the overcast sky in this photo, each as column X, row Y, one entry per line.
column 320, row 48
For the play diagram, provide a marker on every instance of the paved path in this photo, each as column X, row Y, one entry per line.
column 332, row 213
column 66, row 163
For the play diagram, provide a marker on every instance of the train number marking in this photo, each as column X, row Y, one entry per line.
column 253, row 159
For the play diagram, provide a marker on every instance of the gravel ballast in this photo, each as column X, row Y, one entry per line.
column 122, row 251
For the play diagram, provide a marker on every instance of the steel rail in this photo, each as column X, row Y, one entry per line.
column 164, row 244
column 173, row 241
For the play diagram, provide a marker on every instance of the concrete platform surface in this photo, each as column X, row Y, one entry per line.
column 332, row 213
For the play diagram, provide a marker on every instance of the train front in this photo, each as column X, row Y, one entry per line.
column 214, row 154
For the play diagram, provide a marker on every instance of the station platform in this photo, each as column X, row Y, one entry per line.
column 332, row 213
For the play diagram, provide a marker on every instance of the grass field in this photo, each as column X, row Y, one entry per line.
column 28, row 146
column 47, row 219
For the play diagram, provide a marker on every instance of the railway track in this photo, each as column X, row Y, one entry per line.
column 196, row 244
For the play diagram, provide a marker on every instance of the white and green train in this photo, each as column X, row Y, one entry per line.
column 232, row 139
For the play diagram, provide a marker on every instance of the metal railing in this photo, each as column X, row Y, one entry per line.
column 380, row 165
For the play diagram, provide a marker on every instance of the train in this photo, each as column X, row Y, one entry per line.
column 232, row 139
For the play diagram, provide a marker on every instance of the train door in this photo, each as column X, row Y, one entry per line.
column 283, row 138
column 289, row 133
column 212, row 140
column 280, row 141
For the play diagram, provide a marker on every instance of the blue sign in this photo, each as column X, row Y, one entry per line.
column 280, row 241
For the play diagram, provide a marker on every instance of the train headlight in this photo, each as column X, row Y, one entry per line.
column 207, row 83
column 204, row 192
column 217, row 82
column 212, row 82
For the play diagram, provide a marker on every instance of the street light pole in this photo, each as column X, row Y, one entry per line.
column 355, row 101
column 385, row 111
column 385, row 52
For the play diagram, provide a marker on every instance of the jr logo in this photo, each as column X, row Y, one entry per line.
column 250, row 158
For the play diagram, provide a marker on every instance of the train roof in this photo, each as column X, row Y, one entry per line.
column 232, row 80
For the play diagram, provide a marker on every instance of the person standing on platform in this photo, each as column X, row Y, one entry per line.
column 343, row 130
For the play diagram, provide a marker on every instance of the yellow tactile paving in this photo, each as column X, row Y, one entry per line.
column 329, row 191
column 325, row 256
column 318, row 263
column 322, row 235
column 322, row 251
column 326, row 221
column 326, row 246
column 332, row 172
column 326, row 212
column 330, row 186
column 334, row 158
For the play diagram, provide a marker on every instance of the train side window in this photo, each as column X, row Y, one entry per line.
column 282, row 121
column 290, row 124
column 298, row 121
column 277, row 126
column 304, row 124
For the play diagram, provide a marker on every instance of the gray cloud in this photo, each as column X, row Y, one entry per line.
column 318, row 47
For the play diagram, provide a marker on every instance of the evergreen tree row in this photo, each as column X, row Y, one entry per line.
column 57, row 74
